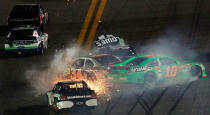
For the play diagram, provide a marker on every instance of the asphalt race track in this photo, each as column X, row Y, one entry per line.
column 179, row 28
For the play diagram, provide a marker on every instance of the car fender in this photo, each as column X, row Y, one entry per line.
column 151, row 73
column 204, row 74
column 50, row 98
column 45, row 39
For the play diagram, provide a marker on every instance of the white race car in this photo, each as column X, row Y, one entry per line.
column 26, row 39
column 91, row 66
column 71, row 94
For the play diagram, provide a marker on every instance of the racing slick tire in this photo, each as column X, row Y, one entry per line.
column 42, row 27
column 150, row 80
column 196, row 71
column 41, row 51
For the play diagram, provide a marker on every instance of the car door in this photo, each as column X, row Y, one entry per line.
column 137, row 70
column 169, row 68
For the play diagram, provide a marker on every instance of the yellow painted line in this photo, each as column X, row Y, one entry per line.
column 86, row 22
column 95, row 24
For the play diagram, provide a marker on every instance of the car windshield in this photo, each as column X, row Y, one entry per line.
column 22, row 11
column 107, row 60
column 22, row 32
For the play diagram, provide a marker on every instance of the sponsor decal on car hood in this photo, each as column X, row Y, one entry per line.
column 108, row 40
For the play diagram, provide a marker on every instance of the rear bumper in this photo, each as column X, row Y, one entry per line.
column 204, row 76
column 75, row 103
column 23, row 50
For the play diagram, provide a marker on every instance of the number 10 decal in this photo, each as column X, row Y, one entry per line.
column 171, row 71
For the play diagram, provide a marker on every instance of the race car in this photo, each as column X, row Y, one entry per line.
column 153, row 69
column 28, row 14
column 26, row 39
column 102, row 60
column 71, row 94
column 90, row 66
column 113, row 45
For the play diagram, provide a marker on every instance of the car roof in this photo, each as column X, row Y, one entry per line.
column 27, row 5
column 24, row 27
column 71, row 82
column 93, row 56
column 149, row 57
column 153, row 57
column 100, row 55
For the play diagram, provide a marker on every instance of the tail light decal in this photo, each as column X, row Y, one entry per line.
column 40, row 20
column 63, row 97
column 128, row 71
column 94, row 95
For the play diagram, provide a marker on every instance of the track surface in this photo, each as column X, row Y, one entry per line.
column 139, row 22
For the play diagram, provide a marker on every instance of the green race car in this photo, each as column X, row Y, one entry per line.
column 153, row 69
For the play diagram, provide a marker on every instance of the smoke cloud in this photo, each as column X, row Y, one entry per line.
column 172, row 43
column 42, row 80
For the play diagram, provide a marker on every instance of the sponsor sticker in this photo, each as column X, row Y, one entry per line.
column 20, row 47
column 123, row 78
column 106, row 40
column 79, row 103
column 74, row 97
column 110, row 78
column 184, row 68
column 22, row 42
column 139, row 69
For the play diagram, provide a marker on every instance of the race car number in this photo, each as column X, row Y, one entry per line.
column 77, row 85
column 171, row 71
column 76, row 74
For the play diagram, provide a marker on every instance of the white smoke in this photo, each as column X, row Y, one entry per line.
column 172, row 43
column 41, row 80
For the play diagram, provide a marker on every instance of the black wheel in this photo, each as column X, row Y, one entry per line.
column 196, row 71
column 41, row 51
column 42, row 27
column 150, row 80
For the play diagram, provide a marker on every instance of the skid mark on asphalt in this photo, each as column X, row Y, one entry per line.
column 157, row 101
column 179, row 99
column 133, row 107
column 142, row 102
column 110, row 106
